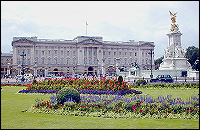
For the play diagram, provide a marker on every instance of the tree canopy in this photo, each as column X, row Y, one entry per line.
column 192, row 54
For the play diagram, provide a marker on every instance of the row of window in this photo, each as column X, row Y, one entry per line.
column 2, row 59
column 90, row 53
column 90, row 61
column 28, row 52
column 55, row 52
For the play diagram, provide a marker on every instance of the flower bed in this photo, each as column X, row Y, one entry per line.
column 98, row 92
column 13, row 84
column 94, row 86
column 116, row 106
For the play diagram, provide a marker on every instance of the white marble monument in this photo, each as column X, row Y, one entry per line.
column 174, row 57
column 174, row 63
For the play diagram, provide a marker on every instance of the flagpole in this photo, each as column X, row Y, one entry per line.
column 86, row 28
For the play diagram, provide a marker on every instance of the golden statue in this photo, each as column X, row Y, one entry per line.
column 173, row 21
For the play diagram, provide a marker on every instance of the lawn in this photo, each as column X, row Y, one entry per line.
column 13, row 117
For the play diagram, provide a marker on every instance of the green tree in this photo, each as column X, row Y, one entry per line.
column 192, row 54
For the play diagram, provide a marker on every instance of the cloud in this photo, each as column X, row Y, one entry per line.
column 114, row 20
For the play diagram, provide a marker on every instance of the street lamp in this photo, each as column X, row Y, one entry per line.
column 151, row 53
column 74, row 68
column 22, row 55
column 98, row 68
column 35, row 69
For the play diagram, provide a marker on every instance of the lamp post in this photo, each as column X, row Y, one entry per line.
column 74, row 68
column 22, row 55
column 151, row 53
column 98, row 73
column 35, row 69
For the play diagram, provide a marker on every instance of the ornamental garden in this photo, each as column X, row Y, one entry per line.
column 111, row 98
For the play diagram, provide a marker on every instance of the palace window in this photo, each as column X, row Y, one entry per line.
column 49, row 61
column 90, row 61
column 74, row 61
column 29, row 62
column 108, row 61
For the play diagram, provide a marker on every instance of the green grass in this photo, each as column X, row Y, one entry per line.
column 12, row 117
column 176, row 93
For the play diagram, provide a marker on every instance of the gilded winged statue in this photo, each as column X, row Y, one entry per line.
column 173, row 25
column 173, row 17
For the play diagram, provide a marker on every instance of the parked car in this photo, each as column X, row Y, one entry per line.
column 162, row 78
column 49, row 77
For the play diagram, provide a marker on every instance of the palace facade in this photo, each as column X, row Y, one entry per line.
column 82, row 55
column 6, row 63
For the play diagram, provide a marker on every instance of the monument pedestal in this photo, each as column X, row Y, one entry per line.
column 174, row 57
column 175, row 64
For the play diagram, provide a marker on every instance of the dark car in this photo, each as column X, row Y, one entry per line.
column 162, row 78
column 49, row 77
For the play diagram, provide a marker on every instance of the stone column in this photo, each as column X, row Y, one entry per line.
column 19, row 69
column 46, row 71
column 8, row 69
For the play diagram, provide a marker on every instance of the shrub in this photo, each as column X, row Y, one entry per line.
column 66, row 94
column 141, row 81
column 120, row 79
column 34, row 81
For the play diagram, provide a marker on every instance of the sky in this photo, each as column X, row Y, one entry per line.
column 113, row 20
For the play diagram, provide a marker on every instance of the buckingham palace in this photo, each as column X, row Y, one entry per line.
column 82, row 55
